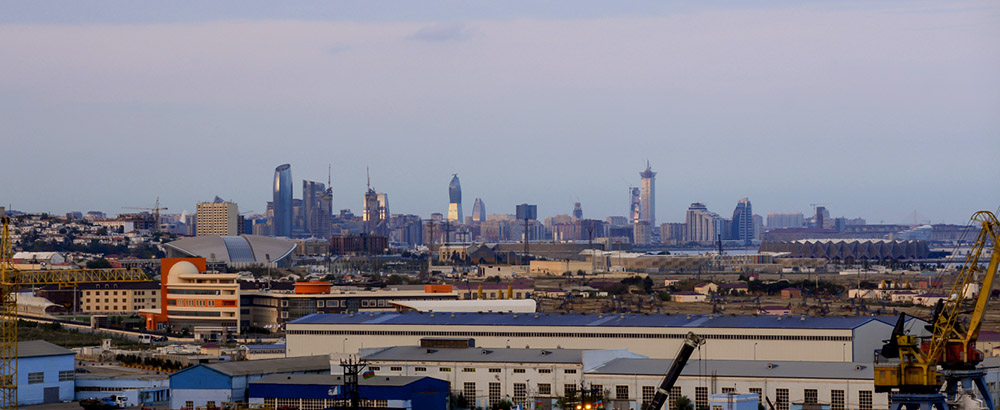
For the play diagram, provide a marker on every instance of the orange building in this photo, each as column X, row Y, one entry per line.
column 190, row 296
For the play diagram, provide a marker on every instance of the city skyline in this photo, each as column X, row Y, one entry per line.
column 877, row 110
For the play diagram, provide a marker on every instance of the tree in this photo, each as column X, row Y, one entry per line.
column 682, row 403
column 98, row 264
column 502, row 404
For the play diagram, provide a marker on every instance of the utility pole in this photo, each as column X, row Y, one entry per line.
column 351, row 394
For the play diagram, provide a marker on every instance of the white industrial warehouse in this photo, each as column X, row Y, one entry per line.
column 784, row 338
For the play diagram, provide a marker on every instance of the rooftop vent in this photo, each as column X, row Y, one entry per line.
column 771, row 365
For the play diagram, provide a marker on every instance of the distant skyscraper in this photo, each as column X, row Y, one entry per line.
column 742, row 224
column 455, row 200
column 479, row 211
column 283, row 200
column 701, row 225
column 634, row 205
column 577, row 211
column 785, row 220
column 647, row 200
column 217, row 218
column 317, row 204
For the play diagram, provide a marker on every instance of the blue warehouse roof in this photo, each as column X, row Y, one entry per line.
column 583, row 320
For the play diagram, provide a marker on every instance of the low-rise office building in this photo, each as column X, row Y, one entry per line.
column 118, row 298
column 191, row 296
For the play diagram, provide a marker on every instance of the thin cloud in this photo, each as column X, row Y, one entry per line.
column 444, row 32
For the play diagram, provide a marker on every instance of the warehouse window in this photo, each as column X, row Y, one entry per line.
column 420, row 369
column 544, row 371
column 521, row 394
column 374, row 368
column 865, row 400
column 781, row 396
column 701, row 397
column 35, row 378
column 518, row 370
column 647, row 395
column 444, row 369
column 570, row 371
column 675, row 392
column 469, row 370
column 395, row 369
column 469, row 391
column 494, row 370
column 811, row 396
column 836, row 400
column 760, row 395
column 544, row 389
column 494, row 393
column 728, row 390
column 67, row 375
column 621, row 392
column 189, row 405
column 569, row 390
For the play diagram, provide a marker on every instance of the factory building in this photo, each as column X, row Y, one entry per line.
column 46, row 375
column 779, row 337
column 324, row 391
column 538, row 377
column 216, row 383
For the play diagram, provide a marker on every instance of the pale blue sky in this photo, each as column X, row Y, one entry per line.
column 874, row 108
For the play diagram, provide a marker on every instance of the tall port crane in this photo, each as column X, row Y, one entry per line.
column 11, row 280
column 663, row 391
column 917, row 367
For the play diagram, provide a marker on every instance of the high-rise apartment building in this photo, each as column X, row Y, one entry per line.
column 785, row 220
column 217, row 218
column 742, row 228
column 455, row 200
column 283, row 200
column 647, row 200
column 479, row 211
column 701, row 225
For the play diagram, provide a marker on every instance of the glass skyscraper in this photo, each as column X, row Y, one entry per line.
column 455, row 200
column 742, row 225
column 283, row 200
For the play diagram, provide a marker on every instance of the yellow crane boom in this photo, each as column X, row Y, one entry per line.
column 952, row 342
column 11, row 280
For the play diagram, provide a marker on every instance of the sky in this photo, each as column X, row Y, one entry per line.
column 885, row 110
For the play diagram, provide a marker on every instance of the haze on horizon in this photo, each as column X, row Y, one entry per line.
column 875, row 109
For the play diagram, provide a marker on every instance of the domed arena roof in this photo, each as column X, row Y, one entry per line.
column 243, row 249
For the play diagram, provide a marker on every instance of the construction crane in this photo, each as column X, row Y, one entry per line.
column 156, row 213
column 690, row 343
column 916, row 367
column 11, row 280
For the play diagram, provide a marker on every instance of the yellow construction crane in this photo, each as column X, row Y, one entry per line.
column 156, row 213
column 11, row 280
column 917, row 367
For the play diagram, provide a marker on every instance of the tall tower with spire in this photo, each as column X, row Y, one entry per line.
column 647, row 197
column 455, row 200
